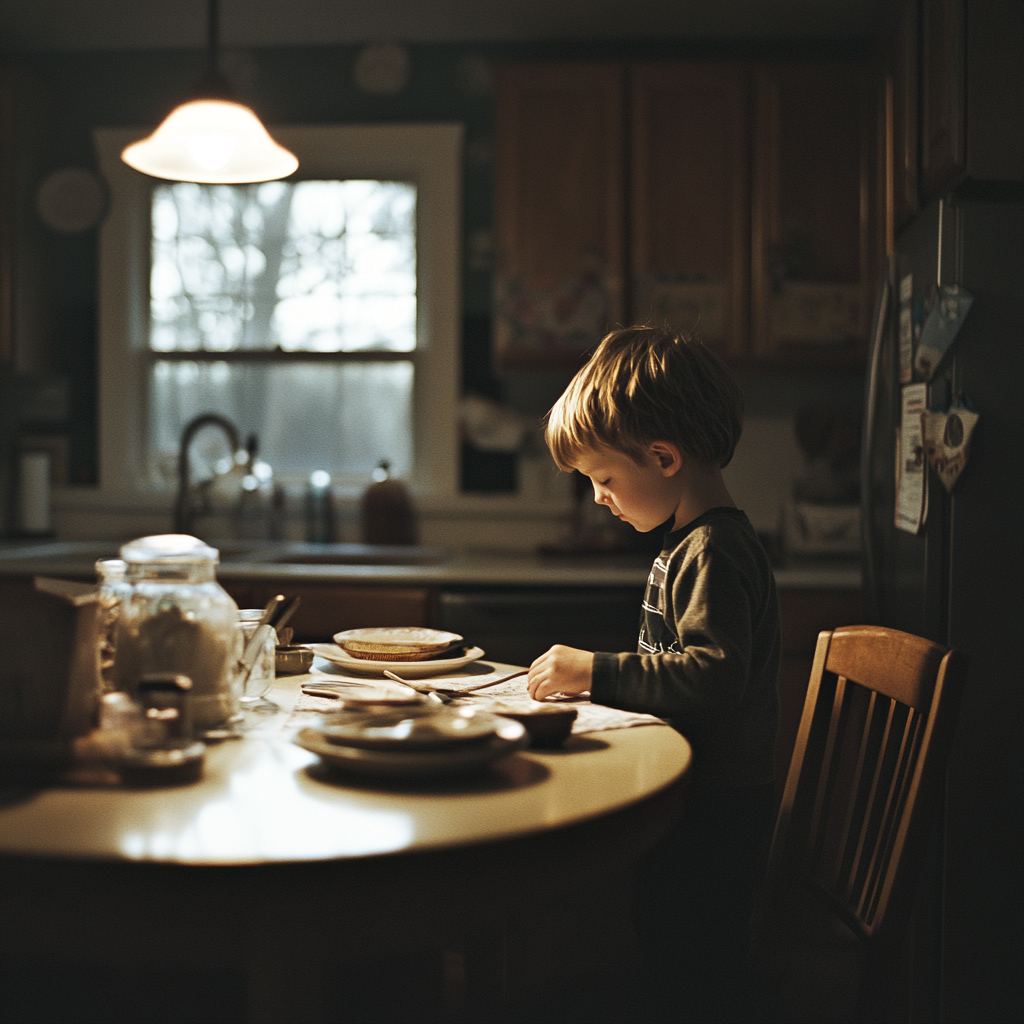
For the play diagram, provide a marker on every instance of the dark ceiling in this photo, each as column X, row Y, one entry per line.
column 27, row 25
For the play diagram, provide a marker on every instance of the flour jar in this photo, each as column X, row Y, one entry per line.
column 179, row 619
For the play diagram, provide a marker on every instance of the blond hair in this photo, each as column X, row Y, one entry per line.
column 646, row 384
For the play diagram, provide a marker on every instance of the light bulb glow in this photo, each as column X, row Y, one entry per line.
column 213, row 142
column 211, row 152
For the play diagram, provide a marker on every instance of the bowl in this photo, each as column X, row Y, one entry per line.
column 292, row 660
column 545, row 726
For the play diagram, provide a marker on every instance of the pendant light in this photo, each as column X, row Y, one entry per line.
column 212, row 138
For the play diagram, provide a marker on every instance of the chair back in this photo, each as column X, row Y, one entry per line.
column 866, row 774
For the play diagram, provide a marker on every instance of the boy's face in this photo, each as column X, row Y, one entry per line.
column 643, row 495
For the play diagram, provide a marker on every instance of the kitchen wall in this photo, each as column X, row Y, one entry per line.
column 67, row 95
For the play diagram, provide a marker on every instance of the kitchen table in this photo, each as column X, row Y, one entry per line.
column 275, row 867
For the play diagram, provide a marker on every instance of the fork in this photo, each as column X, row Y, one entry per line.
column 446, row 691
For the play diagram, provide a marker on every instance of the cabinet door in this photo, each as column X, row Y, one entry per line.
column 8, row 184
column 326, row 610
column 901, row 116
column 690, row 200
column 559, row 211
column 943, row 161
column 811, row 253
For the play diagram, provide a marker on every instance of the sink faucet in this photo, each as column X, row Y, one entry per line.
column 183, row 505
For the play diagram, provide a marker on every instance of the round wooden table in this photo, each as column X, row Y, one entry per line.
column 273, row 866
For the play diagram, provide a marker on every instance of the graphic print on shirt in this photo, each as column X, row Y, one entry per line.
column 655, row 635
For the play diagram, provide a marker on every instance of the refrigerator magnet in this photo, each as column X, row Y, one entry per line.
column 941, row 328
column 947, row 440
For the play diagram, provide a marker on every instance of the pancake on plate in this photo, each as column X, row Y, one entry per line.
column 396, row 643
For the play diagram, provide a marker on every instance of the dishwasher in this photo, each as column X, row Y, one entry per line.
column 516, row 625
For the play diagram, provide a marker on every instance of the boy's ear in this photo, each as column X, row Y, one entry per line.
column 669, row 457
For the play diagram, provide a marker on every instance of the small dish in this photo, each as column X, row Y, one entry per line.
column 292, row 660
column 546, row 726
column 414, row 728
column 411, row 669
column 460, row 759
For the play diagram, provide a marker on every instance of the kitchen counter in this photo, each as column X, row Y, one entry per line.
column 354, row 564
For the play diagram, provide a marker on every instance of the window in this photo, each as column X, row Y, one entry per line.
column 320, row 314
column 249, row 283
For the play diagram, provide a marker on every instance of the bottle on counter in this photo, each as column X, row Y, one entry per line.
column 386, row 512
column 320, row 519
column 178, row 619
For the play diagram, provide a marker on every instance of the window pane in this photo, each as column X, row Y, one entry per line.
column 343, row 418
column 314, row 266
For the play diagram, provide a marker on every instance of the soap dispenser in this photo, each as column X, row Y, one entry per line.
column 386, row 513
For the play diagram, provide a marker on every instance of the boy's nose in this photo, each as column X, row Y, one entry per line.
column 600, row 496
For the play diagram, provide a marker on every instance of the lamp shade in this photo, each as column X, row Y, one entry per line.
column 211, row 141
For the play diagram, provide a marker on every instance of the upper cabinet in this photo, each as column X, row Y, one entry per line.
column 812, row 258
column 725, row 199
column 953, row 81
column 689, row 200
column 559, row 211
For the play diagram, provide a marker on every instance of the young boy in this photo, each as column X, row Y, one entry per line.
column 652, row 419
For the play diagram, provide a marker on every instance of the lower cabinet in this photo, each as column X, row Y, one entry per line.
column 517, row 625
column 326, row 610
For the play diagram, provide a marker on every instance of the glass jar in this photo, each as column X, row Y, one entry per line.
column 179, row 619
column 113, row 590
column 263, row 669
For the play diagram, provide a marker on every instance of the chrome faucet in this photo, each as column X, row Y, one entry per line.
column 183, row 506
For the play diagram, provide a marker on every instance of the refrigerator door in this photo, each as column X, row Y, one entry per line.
column 904, row 572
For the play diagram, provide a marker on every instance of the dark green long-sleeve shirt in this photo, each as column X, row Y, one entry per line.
column 708, row 654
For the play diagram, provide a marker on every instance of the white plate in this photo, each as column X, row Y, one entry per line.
column 409, row 764
column 406, row 669
column 417, row 728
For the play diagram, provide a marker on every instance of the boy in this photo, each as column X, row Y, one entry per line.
column 652, row 419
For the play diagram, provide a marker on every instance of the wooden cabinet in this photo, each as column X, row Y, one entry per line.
column 742, row 214
column 559, row 211
column 900, row 118
column 8, row 189
column 943, row 160
column 326, row 610
column 961, row 64
column 689, row 201
column 812, row 260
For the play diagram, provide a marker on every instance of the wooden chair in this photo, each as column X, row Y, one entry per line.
column 863, row 790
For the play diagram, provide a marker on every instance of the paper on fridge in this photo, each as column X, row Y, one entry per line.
column 911, row 480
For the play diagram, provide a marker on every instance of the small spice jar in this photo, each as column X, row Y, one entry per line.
column 113, row 590
column 179, row 620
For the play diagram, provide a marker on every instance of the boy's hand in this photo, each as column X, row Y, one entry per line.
column 560, row 670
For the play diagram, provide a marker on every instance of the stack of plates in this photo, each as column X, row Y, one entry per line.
column 415, row 742
column 413, row 651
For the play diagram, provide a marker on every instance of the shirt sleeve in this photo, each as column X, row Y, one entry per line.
column 702, row 676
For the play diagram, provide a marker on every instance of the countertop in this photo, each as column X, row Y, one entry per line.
column 355, row 564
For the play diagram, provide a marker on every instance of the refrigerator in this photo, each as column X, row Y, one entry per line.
column 959, row 581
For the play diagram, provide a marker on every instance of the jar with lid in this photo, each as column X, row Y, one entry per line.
column 113, row 590
column 178, row 619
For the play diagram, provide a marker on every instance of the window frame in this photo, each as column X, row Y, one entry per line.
column 429, row 155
